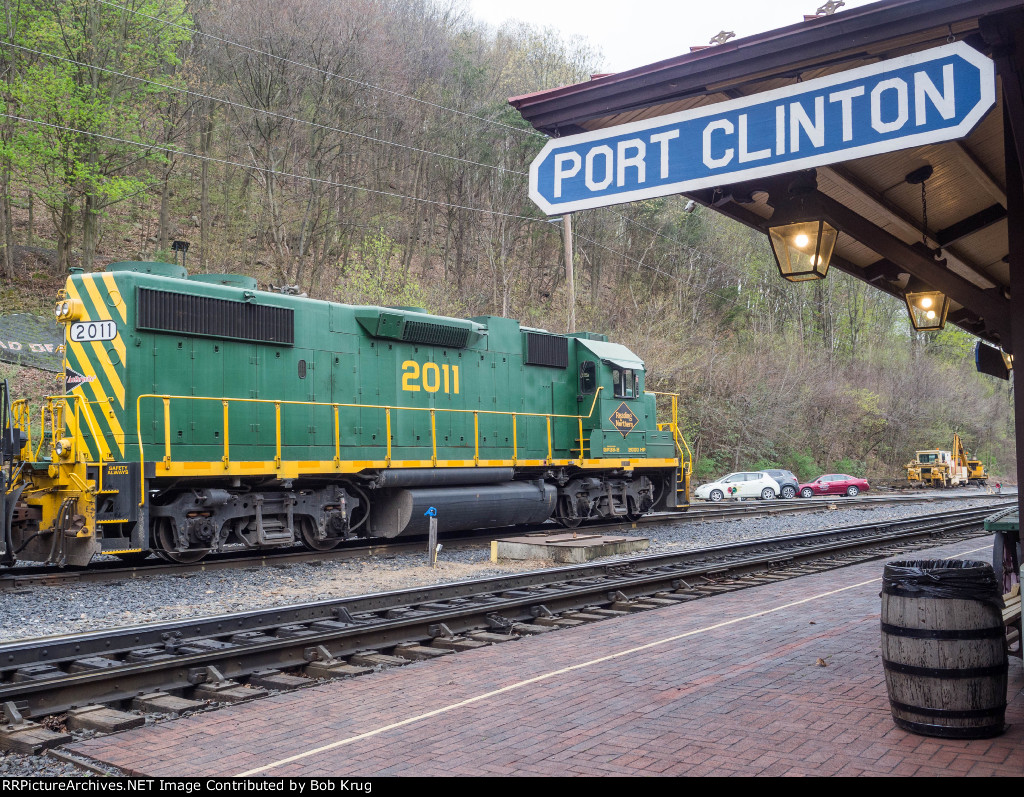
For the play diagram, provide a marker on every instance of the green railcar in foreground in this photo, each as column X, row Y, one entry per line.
column 198, row 413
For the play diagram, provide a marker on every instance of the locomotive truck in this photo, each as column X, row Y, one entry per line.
column 198, row 413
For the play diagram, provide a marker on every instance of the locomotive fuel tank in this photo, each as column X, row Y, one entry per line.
column 403, row 512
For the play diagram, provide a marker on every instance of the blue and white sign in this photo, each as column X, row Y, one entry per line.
column 934, row 95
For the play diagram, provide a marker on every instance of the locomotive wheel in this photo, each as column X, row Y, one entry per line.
column 569, row 522
column 307, row 530
column 632, row 515
column 562, row 516
column 163, row 531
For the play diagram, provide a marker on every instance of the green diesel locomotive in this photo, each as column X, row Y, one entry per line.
column 199, row 413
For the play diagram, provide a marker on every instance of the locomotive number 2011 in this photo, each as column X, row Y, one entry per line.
column 93, row 330
column 430, row 377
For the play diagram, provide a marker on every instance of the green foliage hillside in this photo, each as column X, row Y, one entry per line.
column 365, row 151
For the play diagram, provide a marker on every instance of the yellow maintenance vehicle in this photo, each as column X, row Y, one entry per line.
column 938, row 468
column 976, row 473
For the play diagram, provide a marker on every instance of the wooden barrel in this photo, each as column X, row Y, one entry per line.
column 944, row 648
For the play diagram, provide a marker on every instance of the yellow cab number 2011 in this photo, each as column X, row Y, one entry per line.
column 430, row 377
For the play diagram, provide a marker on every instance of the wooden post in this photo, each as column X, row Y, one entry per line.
column 1015, row 217
column 1004, row 33
column 570, row 282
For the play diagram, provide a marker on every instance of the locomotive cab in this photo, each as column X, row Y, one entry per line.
column 619, row 425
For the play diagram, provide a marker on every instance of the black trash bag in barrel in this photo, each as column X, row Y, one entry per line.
column 944, row 648
column 943, row 578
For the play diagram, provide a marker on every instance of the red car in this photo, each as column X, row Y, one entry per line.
column 834, row 484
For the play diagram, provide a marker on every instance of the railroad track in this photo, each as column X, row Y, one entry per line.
column 210, row 658
column 106, row 570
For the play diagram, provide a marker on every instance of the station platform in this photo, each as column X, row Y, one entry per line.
column 780, row 679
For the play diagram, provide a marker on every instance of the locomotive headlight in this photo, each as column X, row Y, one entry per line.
column 63, row 448
column 68, row 310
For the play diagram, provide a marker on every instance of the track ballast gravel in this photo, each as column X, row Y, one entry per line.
column 73, row 608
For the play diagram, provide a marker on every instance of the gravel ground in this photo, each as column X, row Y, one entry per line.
column 44, row 611
column 15, row 765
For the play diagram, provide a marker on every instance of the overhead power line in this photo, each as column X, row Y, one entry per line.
column 640, row 263
column 243, row 106
column 263, row 169
column 334, row 184
column 320, row 70
column 716, row 260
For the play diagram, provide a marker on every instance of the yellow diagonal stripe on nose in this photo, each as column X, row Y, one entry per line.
column 122, row 310
column 88, row 367
column 118, row 343
column 101, row 400
column 69, row 422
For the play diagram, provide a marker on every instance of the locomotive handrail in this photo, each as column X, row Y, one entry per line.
column 677, row 435
column 22, row 412
column 53, row 412
column 77, row 438
column 225, row 401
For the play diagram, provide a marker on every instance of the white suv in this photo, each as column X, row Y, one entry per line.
column 740, row 485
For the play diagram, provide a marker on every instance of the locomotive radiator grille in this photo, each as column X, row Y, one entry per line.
column 166, row 311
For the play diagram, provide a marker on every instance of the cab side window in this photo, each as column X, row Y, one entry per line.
column 624, row 383
column 588, row 377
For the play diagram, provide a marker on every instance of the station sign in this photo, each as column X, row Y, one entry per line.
column 923, row 98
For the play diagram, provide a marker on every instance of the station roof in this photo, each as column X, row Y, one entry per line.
column 882, row 219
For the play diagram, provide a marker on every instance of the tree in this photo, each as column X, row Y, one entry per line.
column 89, row 118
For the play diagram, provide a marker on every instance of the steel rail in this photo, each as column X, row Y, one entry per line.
column 177, row 654
column 105, row 571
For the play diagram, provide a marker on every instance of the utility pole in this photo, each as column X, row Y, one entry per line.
column 570, row 283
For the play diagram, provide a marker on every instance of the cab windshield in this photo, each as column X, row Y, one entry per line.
column 927, row 458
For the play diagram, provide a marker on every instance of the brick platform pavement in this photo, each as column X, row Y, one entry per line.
column 722, row 686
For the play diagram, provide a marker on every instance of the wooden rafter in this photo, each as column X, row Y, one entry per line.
column 972, row 166
column 974, row 223
column 900, row 219
column 989, row 305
